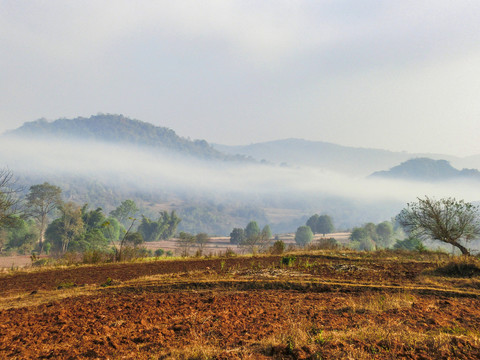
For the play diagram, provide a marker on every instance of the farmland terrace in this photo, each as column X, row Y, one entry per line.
column 323, row 304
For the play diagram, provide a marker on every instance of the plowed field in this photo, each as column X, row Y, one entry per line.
column 324, row 306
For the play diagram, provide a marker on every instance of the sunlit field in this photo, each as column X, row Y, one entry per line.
column 320, row 304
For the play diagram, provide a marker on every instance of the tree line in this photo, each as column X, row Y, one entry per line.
column 25, row 225
column 44, row 223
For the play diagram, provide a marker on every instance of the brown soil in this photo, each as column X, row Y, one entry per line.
column 252, row 308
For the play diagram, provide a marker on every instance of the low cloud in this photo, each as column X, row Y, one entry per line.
column 156, row 170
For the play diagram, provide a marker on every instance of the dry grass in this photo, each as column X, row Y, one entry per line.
column 44, row 296
column 379, row 302
column 366, row 342
column 370, row 301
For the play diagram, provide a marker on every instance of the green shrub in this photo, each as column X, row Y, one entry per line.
column 159, row 252
column 278, row 247
column 66, row 285
column 288, row 260
column 40, row 262
column 230, row 253
column 410, row 244
column 325, row 244
column 97, row 256
column 108, row 282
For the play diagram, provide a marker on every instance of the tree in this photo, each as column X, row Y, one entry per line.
column 409, row 244
column 127, row 209
column 358, row 234
column 384, row 232
column 252, row 229
column 150, row 230
column 371, row 230
column 163, row 228
column 112, row 229
column 185, row 241
column 9, row 202
column 312, row 223
column 119, row 252
column 202, row 239
column 267, row 231
column 361, row 237
column 447, row 220
column 255, row 242
column 42, row 200
column 237, row 236
column 134, row 239
column 325, row 225
column 303, row 235
column 67, row 228
column 171, row 220
column 22, row 237
column 93, row 219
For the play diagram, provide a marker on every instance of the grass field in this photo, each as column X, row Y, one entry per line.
column 317, row 305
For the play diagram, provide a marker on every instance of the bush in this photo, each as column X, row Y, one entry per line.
column 108, row 282
column 159, row 252
column 131, row 253
column 410, row 244
column 230, row 253
column 325, row 244
column 40, row 262
column 288, row 260
column 97, row 256
column 278, row 247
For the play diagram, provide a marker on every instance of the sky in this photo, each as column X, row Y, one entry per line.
column 399, row 75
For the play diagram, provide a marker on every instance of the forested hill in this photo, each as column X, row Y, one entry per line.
column 425, row 169
column 118, row 129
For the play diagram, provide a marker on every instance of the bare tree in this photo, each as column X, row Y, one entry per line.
column 185, row 242
column 201, row 240
column 10, row 206
column 446, row 220
column 256, row 242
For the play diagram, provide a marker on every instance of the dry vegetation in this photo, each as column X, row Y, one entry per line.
column 322, row 305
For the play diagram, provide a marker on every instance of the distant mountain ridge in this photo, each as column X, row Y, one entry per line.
column 117, row 129
column 344, row 159
column 121, row 130
column 425, row 169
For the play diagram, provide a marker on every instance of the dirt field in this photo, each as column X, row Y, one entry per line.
column 220, row 244
column 216, row 246
column 325, row 305
column 7, row 262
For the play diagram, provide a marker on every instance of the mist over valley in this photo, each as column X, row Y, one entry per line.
column 105, row 159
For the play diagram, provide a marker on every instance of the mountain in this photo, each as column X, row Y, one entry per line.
column 425, row 169
column 117, row 129
column 338, row 158
column 112, row 158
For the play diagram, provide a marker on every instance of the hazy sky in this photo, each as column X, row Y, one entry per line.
column 400, row 75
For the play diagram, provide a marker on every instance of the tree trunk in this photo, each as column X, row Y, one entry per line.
column 43, row 228
column 462, row 248
column 42, row 241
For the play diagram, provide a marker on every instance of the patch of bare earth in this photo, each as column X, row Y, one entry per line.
column 242, row 308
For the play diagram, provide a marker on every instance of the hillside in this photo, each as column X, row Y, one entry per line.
column 425, row 169
column 118, row 129
column 343, row 159
column 112, row 158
